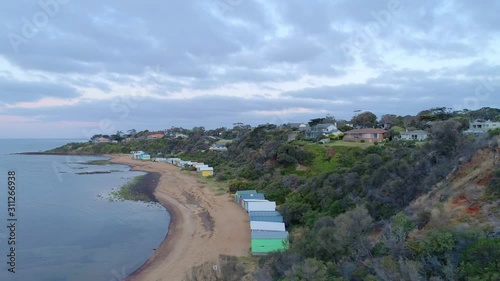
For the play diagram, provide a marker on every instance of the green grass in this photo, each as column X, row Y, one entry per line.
column 127, row 192
column 344, row 156
column 339, row 143
column 349, row 144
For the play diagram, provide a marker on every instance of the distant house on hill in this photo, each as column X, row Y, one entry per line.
column 418, row 135
column 480, row 127
column 102, row 140
column 326, row 129
column 368, row 135
column 155, row 136
column 299, row 126
column 218, row 147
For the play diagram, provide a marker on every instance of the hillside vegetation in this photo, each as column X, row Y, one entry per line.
column 392, row 211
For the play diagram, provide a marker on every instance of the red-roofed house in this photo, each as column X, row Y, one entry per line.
column 102, row 140
column 155, row 136
column 368, row 135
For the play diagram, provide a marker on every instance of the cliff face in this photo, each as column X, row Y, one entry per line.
column 465, row 199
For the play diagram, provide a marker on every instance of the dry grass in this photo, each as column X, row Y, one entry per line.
column 461, row 199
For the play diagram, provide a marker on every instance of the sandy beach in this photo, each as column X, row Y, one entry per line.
column 202, row 227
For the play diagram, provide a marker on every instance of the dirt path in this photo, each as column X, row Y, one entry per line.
column 203, row 226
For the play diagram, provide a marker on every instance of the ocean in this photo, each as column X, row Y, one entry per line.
column 67, row 228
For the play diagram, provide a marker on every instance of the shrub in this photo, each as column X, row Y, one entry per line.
column 481, row 260
column 236, row 185
column 494, row 132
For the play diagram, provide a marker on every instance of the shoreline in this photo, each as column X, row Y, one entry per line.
column 59, row 153
column 202, row 225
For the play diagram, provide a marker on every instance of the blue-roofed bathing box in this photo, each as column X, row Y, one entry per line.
column 240, row 192
column 250, row 196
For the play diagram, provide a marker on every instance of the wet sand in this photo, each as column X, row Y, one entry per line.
column 202, row 226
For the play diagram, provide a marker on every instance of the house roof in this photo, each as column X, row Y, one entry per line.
column 156, row 136
column 366, row 131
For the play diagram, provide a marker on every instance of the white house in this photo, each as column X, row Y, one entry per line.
column 481, row 127
column 418, row 135
column 300, row 126
column 326, row 129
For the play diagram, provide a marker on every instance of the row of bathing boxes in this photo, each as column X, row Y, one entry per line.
column 267, row 227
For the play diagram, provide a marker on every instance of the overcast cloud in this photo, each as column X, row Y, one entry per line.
column 67, row 67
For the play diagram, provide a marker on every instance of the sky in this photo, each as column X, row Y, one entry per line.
column 78, row 68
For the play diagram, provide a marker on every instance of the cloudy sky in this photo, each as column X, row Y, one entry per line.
column 74, row 68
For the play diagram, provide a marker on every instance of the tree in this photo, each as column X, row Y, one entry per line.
column 481, row 260
column 346, row 235
column 365, row 120
column 132, row 132
column 315, row 122
column 309, row 270
column 391, row 118
column 446, row 139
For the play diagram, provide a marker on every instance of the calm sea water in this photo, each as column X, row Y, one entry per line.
column 67, row 229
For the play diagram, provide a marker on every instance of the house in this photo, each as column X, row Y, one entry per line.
column 267, row 226
column 102, row 140
column 368, row 135
column 218, row 147
column 480, row 127
column 155, row 136
column 179, row 135
column 207, row 171
column 264, row 242
column 326, row 129
column 299, row 126
column 157, row 159
column 418, row 135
